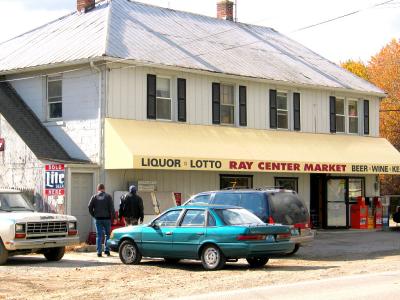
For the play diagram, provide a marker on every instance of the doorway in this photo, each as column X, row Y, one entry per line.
column 317, row 200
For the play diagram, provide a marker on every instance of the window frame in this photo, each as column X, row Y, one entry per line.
column 49, row 79
column 357, row 117
column 278, row 110
column 296, row 179
column 178, row 220
column 165, row 98
column 340, row 115
column 182, row 218
column 249, row 177
column 233, row 105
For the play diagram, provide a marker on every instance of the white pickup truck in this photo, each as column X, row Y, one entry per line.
column 23, row 231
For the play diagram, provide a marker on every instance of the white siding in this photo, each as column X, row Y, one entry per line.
column 127, row 99
column 78, row 131
column 191, row 182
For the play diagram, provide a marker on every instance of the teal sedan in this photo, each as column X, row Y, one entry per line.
column 212, row 234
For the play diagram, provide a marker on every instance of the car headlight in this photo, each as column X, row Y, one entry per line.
column 72, row 226
column 19, row 227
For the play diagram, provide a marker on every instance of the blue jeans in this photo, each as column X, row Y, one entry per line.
column 102, row 227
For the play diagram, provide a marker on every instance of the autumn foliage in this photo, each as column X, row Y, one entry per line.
column 383, row 70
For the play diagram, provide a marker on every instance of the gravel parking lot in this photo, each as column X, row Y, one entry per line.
column 83, row 275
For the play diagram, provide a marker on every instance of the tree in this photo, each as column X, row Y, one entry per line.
column 356, row 67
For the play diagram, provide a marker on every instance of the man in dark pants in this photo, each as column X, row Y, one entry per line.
column 131, row 207
column 101, row 208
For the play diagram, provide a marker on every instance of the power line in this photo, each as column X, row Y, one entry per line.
column 342, row 16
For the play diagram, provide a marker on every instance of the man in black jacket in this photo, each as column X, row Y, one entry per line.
column 101, row 208
column 131, row 207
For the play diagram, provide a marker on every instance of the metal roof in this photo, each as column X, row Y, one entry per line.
column 144, row 33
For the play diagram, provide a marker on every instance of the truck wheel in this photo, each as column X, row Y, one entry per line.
column 212, row 258
column 54, row 254
column 3, row 253
column 129, row 253
column 296, row 248
column 257, row 262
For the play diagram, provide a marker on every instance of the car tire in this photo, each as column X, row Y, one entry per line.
column 212, row 258
column 257, row 262
column 129, row 253
column 171, row 260
column 3, row 253
column 54, row 254
column 295, row 249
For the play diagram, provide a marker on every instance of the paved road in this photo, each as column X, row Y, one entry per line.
column 373, row 286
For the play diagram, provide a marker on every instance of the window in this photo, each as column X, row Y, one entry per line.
column 54, row 97
column 282, row 110
column 227, row 105
column 168, row 219
column 211, row 220
column 287, row 183
column 353, row 115
column 340, row 115
column 356, row 188
column 238, row 216
column 194, row 217
column 205, row 198
column 236, row 181
column 163, row 98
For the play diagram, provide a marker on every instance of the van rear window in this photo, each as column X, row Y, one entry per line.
column 288, row 209
column 254, row 202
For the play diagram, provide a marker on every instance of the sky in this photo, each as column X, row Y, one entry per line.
column 358, row 36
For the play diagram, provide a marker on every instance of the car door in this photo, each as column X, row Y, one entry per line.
column 157, row 237
column 190, row 233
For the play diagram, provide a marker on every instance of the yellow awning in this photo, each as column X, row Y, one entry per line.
column 175, row 146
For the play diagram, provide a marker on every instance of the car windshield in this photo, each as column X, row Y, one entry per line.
column 238, row 216
column 288, row 209
column 14, row 202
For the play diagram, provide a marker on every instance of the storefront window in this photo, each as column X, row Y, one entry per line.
column 356, row 188
column 353, row 116
column 236, row 182
column 227, row 105
column 282, row 110
column 287, row 183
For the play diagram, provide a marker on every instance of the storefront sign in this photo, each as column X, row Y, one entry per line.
column 2, row 144
column 54, row 180
column 171, row 163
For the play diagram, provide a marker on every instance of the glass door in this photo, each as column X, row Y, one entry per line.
column 336, row 202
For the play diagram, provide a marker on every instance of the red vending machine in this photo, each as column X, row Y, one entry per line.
column 378, row 211
column 359, row 214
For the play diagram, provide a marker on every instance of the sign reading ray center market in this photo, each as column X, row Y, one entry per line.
column 166, row 163
column 54, row 179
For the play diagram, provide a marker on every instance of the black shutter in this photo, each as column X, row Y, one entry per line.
column 332, row 113
column 242, row 106
column 366, row 117
column 216, row 93
column 151, row 96
column 296, row 111
column 272, row 109
column 181, row 100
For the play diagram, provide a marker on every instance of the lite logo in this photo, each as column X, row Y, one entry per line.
column 55, row 180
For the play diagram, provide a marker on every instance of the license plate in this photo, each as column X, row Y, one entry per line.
column 270, row 238
column 294, row 231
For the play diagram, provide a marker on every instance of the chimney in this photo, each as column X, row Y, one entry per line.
column 83, row 6
column 225, row 10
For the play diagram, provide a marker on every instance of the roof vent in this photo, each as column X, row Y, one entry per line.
column 225, row 10
column 83, row 6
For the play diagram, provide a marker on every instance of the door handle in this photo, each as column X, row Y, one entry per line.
column 200, row 233
column 168, row 233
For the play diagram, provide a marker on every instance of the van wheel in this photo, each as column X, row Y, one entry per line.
column 296, row 248
column 54, row 254
column 212, row 258
column 257, row 262
column 129, row 253
column 3, row 253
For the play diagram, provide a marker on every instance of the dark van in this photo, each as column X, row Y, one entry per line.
column 270, row 205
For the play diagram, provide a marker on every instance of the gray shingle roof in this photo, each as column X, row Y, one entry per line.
column 135, row 31
column 29, row 127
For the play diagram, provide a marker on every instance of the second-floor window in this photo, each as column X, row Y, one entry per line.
column 282, row 110
column 54, row 97
column 227, row 104
column 163, row 99
column 352, row 105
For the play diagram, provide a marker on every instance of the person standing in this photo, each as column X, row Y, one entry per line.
column 131, row 207
column 101, row 208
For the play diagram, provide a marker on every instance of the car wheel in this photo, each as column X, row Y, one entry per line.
column 296, row 248
column 171, row 260
column 257, row 262
column 3, row 253
column 54, row 254
column 129, row 253
column 212, row 258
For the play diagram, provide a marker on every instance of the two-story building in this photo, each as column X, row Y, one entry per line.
column 122, row 92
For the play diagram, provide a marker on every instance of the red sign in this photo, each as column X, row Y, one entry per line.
column 2, row 143
column 54, row 180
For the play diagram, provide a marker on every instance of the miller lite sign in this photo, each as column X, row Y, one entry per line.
column 1, row 144
column 54, row 180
